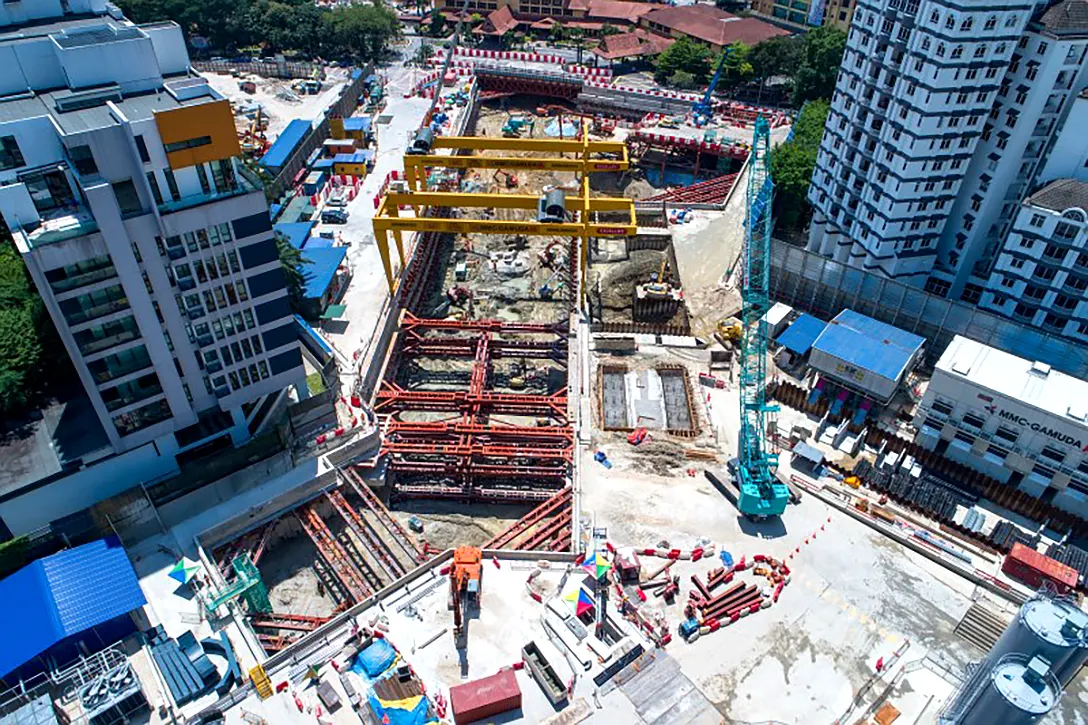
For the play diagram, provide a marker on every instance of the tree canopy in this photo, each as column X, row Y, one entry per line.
column 30, row 351
column 793, row 162
column 352, row 32
column 818, row 64
column 292, row 261
column 809, row 62
column 684, row 55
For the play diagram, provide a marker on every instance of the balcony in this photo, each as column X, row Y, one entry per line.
column 195, row 313
column 60, row 225
column 246, row 182
column 214, row 366
column 222, row 392
column 186, row 284
column 93, row 313
column 175, row 253
column 205, row 340
column 103, row 376
column 105, row 343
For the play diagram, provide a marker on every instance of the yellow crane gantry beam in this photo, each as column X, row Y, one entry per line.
column 414, row 164
column 387, row 220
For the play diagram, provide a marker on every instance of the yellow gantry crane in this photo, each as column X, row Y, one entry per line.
column 556, row 213
column 588, row 153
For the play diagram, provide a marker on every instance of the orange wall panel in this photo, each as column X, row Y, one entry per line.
column 214, row 120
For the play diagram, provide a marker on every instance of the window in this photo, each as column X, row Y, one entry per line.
column 941, row 406
column 965, row 438
column 141, row 148
column 991, row 23
column 1042, row 47
column 10, row 155
column 171, row 184
column 973, row 420
column 154, row 184
column 127, row 198
column 191, row 143
column 202, row 175
column 83, row 160
column 1006, row 434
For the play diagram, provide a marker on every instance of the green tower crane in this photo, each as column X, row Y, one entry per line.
column 762, row 495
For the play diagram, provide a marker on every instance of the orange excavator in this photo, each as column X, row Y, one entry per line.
column 464, row 587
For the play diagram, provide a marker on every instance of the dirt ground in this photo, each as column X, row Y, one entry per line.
column 447, row 524
column 619, row 277
column 496, row 293
column 279, row 110
column 293, row 587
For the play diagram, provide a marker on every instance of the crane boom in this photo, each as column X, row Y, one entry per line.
column 761, row 494
column 702, row 109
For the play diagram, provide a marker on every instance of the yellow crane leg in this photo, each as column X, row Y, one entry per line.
column 381, row 237
column 400, row 246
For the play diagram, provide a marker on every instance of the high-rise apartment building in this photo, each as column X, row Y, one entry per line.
column 943, row 117
column 148, row 239
column 916, row 84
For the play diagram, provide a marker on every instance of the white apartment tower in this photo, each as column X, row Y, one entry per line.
column 1043, row 79
column 941, row 117
column 915, row 87
column 149, row 242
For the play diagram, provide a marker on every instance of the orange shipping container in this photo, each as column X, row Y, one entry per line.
column 1032, row 568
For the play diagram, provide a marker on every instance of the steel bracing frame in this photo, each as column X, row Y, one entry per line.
column 471, row 455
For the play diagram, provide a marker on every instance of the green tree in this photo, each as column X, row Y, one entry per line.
column 819, row 64
column 792, row 164
column 363, row 32
column 737, row 69
column 684, row 55
column 610, row 30
column 558, row 31
column 779, row 56
column 24, row 325
column 292, row 261
column 682, row 79
column 437, row 26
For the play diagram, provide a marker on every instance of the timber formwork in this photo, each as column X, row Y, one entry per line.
column 471, row 453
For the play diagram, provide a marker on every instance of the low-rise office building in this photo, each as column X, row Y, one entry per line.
column 1011, row 418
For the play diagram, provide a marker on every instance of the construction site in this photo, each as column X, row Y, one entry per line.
column 580, row 487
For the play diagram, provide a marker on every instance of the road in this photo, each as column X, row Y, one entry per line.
column 367, row 294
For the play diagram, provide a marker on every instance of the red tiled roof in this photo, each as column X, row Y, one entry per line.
column 631, row 45
column 615, row 10
column 499, row 22
column 707, row 23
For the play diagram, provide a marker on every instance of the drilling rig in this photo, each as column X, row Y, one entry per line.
column 464, row 589
column 762, row 495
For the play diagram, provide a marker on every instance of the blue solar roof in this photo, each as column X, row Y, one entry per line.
column 868, row 344
column 62, row 595
column 357, row 123
column 799, row 336
column 285, row 144
column 323, row 262
column 295, row 233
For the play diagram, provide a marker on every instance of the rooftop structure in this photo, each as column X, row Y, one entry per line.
column 637, row 44
column 1030, row 383
column 64, row 595
column 865, row 354
column 708, row 24
column 285, row 144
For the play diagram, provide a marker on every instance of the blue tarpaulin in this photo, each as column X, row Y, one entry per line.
column 799, row 336
column 321, row 268
column 285, row 144
column 376, row 658
column 296, row 233
column 62, row 595
column 868, row 344
column 359, row 157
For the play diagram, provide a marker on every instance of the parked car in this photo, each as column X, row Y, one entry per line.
column 338, row 198
column 334, row 216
